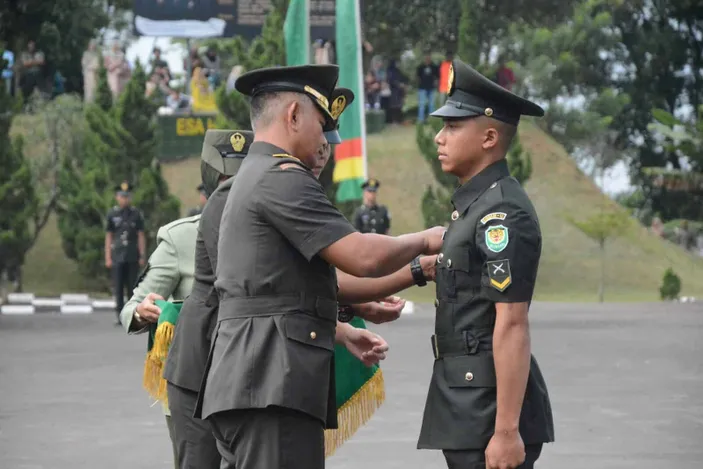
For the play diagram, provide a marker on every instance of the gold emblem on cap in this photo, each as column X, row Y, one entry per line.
column 488, row 112
column 237, row 140
column 338, row 107
column 321, row 100
column 450, row 80
column 124, row 186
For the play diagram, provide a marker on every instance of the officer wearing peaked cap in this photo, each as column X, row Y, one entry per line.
column 371, row 217
column 125, row 244
column 222, row 155
column 487, row 404
column 268, row 389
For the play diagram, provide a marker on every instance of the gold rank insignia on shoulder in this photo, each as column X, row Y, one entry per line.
column 338, row 106
column 237, row 140
column 499, row 275
column 450, row 79
column 493, row 216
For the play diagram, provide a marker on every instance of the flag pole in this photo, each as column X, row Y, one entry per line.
column 361, row 99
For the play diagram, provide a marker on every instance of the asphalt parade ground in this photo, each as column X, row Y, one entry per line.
column 626, row 383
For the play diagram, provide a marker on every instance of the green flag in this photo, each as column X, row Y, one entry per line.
column 350, row 155
column 296, row 30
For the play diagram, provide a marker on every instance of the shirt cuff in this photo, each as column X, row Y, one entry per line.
column 324, row 237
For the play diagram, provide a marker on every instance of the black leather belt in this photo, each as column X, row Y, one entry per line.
column 462, row 343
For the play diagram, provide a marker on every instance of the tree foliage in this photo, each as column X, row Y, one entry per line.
column 17, row 196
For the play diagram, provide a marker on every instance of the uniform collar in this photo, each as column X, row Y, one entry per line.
column 468, row 192
column 265, row 148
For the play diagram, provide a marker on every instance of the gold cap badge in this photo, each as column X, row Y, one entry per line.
column 124, row 186
column 338, row 107
column 488, row 112
column 237, row 140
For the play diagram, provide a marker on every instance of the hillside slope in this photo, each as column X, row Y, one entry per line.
column 570, row 267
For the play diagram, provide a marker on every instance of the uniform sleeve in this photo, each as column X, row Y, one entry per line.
column 109, row 225
column 140, row 221
column 293, row 201
column 510, row 243
column 161, row 276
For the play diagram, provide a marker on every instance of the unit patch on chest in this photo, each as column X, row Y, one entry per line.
column 499, row 274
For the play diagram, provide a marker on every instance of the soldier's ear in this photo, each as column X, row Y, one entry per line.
column 491, row 138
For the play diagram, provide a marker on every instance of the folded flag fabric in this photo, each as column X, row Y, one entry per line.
column 360, row 389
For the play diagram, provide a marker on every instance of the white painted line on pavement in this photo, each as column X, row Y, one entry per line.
column 47, row 302
column 20, row 298
column 76, row 309
column 104, row 304
column 75, row 298
column 17, row 309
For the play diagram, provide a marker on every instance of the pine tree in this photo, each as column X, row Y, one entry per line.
column 136, row 114
column 436, row 202
column 17, row 196
column 103, row 95
column 519, row 161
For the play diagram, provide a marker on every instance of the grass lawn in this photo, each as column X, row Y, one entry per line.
column 570, row 266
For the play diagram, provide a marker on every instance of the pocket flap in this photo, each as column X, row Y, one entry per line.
column 310, row 330
column 470, row 371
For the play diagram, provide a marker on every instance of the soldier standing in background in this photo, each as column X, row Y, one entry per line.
column 371, row 217
column 203, row 200
column 125, row 244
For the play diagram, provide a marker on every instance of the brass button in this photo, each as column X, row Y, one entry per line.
column 313, row 335
column 449, row 262
column 440, row 257
column 436, row 303
column 469, row 376
column 455, row 215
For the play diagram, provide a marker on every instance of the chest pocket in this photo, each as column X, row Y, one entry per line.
column 460, row 266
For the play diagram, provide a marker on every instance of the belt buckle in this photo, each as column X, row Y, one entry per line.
column 435, row 347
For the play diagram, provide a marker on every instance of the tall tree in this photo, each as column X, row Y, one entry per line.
column 17, row 196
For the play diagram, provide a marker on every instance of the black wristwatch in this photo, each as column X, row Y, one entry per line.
column 345, row 313
column 418, row 274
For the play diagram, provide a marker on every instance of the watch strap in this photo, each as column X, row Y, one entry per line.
column 418, row 274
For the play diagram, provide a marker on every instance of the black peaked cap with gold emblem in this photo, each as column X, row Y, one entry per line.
column 340, row 99
column 224, row 150
column 315, row 81
column 371, row 185
column 470, row 94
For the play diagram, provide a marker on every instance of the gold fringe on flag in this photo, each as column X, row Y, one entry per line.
column 153, row 380
column 356, row 412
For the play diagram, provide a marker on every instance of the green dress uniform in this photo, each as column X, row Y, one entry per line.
column 269, row 388
column 490, row 255
column 169, row 273
column 124, row 224
column 185, row 364
column 375, row 218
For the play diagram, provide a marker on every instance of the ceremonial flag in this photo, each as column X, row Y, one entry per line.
column 350, row 155
column 296, row 30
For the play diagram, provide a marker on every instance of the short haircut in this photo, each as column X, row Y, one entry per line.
column 264, row 106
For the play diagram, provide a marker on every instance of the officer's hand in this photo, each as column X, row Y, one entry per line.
column 505, row 451
column 429, row 267
column 148, row 311
column 385, row 311
column 365, row 345
column 108, row 263
column 434, row 239
column 141, row 262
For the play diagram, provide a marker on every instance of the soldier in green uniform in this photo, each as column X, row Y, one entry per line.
column 268, row 388
column 371, row 217
column 487, row 404
column 125, row 244
column 203, row 200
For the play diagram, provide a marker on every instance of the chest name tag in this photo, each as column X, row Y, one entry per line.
column 499, row 274
column 493, row 216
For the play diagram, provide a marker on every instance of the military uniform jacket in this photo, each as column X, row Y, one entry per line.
column 274, row 340
column 124, row 224
column 490, row 255
column 374, row 219
column 169, row 271
column 187, row 356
